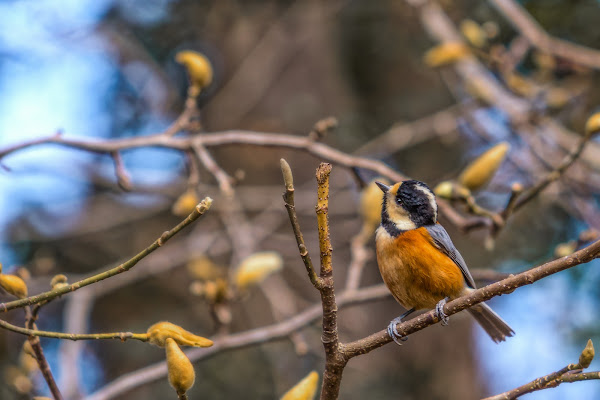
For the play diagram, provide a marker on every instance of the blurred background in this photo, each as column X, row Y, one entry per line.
column 105, row 69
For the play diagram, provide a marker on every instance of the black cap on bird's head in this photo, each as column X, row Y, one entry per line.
column 408, row 205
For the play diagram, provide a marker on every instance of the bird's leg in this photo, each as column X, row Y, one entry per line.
column 439, row 311
column 393, row 331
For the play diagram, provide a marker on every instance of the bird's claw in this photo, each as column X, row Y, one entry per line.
column 393, row 332
column 439, row 311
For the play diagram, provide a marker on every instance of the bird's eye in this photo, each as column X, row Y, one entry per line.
column 399, row 201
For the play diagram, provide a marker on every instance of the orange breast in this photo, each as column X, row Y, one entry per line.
column 416, row 272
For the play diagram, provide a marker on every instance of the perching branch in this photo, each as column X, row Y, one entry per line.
column 485, row 293
column 200, row 209
column 570, row 373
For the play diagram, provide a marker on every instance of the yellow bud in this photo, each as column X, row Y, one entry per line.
column 480, row 171
column 186, row 203
column 198, row 67
column 27, row 362
column 593, row 124
column 257, row 267
column 303, row 390
column 215, row 291
column 474, row 33
column 371, row 198
column 203, row 268
column 587, row 355
column 519, row 85
column 161, row 331
column 445, row 190
column 565, row 249
column 181, row 370
column 13, row 285
column 445, row 53
column 58, row 281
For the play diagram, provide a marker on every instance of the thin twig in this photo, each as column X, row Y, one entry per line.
column 123, row 179
column 538, row 37
column 200, row 209
column 288, row 198
column 73, row 336
column 570, row 373
column 34, row 341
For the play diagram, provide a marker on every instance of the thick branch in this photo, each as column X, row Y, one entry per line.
column 200, row 209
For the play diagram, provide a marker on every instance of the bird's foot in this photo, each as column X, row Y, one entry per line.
column 393, row 332
column 439, row 311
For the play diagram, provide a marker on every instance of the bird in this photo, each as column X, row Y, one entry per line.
column 418, row 261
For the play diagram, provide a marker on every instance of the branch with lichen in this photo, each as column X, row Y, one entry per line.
column 200, row 209
column 570, row 373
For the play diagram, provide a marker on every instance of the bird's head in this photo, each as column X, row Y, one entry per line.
column 408, row 205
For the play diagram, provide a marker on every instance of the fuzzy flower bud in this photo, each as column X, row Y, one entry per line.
column 181, row 370
column 479, row 172
column 592, row 125
column 58, row 281
column 587, row 355
column 474, row 33
column 257, row 267
column 305, row 389
column 445, row 53
column 198, row 68
column 161, row 331
column 13, row 285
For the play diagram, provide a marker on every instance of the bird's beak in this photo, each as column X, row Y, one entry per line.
column 384, row 188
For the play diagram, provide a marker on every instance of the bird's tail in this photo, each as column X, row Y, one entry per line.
column 491, row 322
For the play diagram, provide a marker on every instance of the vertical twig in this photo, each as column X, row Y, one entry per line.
column 30, row 317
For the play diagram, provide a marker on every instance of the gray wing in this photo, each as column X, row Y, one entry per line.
column 442, row 240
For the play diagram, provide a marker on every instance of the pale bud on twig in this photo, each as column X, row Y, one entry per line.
column 303, row 390
column 161, row 331
column 180, row 369
column 587, row 355
column 480, row 171
column 257, row 267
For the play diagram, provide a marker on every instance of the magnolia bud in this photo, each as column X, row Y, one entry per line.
column 474, row 33
column 257, row 267
column 587, row 355
column 480, row 171
column 58, row 281
column 198, row 68
column 445, row 53
column 13, row 285
column 181, row 370
column 592, row 125
column 303, row 390
column 161, row 331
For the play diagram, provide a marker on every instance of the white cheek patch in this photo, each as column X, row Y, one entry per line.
column 431, row 198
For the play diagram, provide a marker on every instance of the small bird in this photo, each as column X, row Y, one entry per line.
column 418, row 261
